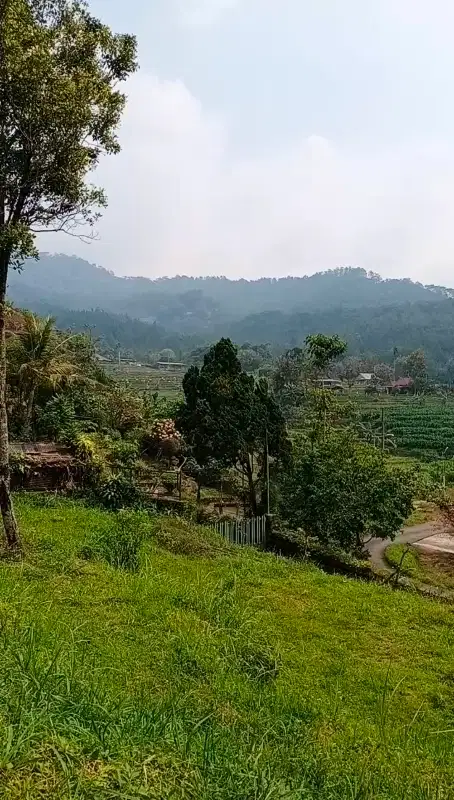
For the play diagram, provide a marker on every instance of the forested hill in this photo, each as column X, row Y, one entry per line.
column 194, row 304
column 367, row 331
column 373, row 315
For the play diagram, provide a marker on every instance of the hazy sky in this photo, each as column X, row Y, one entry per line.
column 274, row 137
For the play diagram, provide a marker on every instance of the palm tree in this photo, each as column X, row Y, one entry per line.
column 40, row 358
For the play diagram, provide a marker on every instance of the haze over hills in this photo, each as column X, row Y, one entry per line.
column 373, row 314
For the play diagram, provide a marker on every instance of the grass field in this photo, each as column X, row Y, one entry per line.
column 212, row 673
column 144, row 379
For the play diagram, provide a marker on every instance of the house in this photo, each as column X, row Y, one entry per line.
column 364, row 378
column 329, row 383
column 401, row 386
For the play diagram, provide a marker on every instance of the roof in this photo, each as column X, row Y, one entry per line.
column 365, row 376
column 402, row 383
column 170, row 364
column 43, row 452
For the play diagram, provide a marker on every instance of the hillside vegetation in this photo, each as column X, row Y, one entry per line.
column 212, row 673
column 373, row 315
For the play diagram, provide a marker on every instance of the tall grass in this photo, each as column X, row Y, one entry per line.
column 229, row 675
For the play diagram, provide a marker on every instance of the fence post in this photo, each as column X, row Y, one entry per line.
column 268, row 543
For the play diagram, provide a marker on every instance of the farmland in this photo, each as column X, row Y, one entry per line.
column 146, row 379
column 421, row 427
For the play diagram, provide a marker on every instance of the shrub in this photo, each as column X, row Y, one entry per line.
column 119, row 544
column 116, row 493
column 185, row 538
column 162, row 439
column 341, row 491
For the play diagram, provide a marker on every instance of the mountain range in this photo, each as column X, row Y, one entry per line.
column 375, row 315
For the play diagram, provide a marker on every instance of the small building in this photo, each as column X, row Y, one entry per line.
column 329, row 383
column 401, row 386
column 44, row 467
column 364, row 378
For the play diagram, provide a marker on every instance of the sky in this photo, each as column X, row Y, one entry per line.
column 266, row 138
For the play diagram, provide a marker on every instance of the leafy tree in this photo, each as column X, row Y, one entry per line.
column 167, row 355
column 208, row 474
column 323, row 350
column 39, row 357
column 372, row 429
column 59, row 109
column 324, row 411
column 383, row 374
column 344, row 492
column 288, row 380
column 228, row 417
column 124, row 409
column 415, row 366
column 348, row 369
column 297, row 369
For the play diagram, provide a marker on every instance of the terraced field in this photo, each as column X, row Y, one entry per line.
column 145, row 379
column 423, row 427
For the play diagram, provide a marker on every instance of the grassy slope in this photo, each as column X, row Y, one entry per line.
column 221, row 675
column 435, row 569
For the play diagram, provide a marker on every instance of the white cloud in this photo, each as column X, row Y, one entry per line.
column 180, row 202
column 201, row 13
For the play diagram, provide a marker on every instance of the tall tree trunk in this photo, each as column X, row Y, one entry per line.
column 10, row 525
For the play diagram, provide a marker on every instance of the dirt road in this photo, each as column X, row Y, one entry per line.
column 377, row 547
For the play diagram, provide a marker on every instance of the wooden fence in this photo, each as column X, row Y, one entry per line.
column 249, row 532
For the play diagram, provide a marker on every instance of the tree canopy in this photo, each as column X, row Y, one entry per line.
column 229, row 417
column 343, row 492
column 60, row 105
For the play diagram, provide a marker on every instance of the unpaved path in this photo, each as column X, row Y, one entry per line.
column 416, row 533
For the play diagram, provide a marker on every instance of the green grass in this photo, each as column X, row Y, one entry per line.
column 423, row 511
column 434, row 569
column 212, row 673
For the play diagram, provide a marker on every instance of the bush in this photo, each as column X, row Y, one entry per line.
column 341, row 491
column 120, row 543
column 116, row 493
column 185, row 538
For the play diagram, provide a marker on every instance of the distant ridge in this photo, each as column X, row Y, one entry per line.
column 374, row 315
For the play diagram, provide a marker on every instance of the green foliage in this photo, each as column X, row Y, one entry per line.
column 120, row 543
column 183, row 537
column 423, row 426
column 296, row 371
column 39, row 360
column 149, row 683
column 323, row 350
column 116, row 493
column 344, row 492
column 289, row 380
column 57, row 420
column 228, row 417
column 323, row 411
column 415, row 366
column 59, row 111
